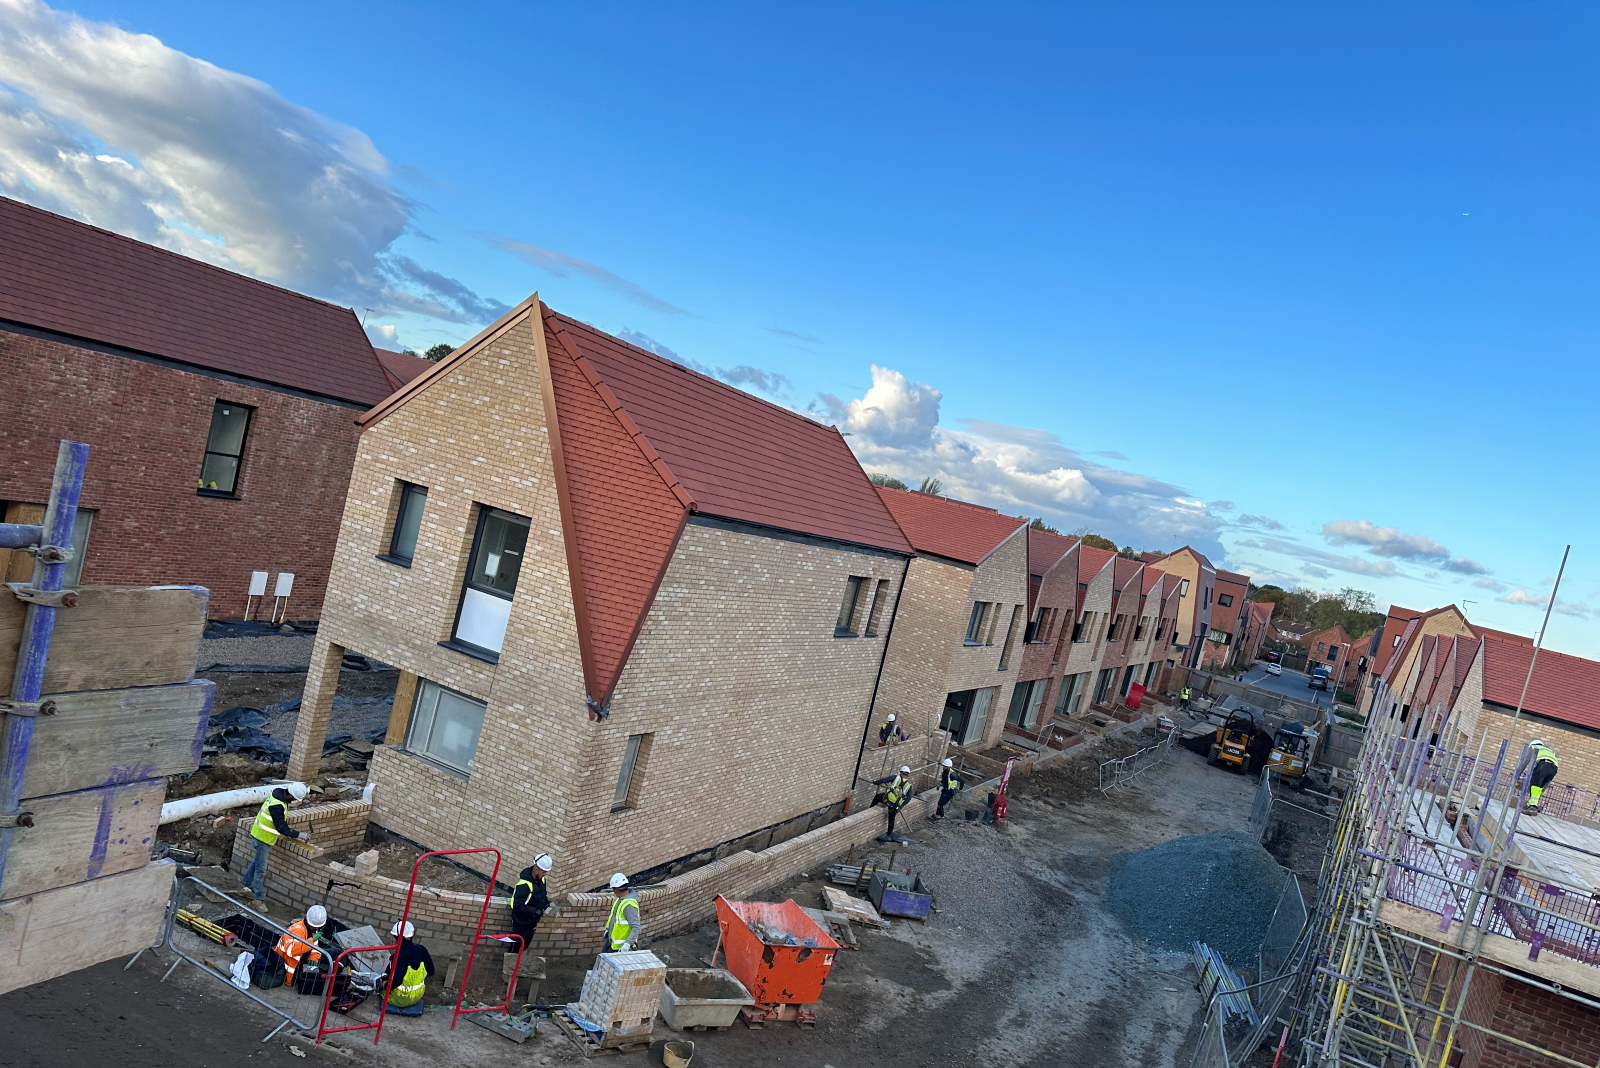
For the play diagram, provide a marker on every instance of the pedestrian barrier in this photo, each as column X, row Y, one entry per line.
column 1123, row 770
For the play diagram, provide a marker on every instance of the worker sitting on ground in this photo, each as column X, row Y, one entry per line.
column 1543, row 759
column 950, row 784
column 895, row 797
column 529, row 899
column 297, row 945
column 622, row 926
column 890, row 732
column 411, row 967
column 272, row 823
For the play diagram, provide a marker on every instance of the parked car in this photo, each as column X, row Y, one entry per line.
column 1272, row 656
column 1274, row 669
column 1319, row 678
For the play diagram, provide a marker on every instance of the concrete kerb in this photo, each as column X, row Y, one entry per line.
column 446, row 919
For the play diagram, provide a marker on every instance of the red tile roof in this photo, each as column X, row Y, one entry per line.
column 1564, row 687
column 1123, row 571
column 1261, row 611
column 1152, row 575
column 1045, row 549
column 943, row 526
column 1501, row 635
column 401, row 368
column 1091, row 562
column 71, row 278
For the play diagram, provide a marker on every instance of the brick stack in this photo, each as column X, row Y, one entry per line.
column 621, row 993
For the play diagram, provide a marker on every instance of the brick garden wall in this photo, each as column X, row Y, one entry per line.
column 147, row 425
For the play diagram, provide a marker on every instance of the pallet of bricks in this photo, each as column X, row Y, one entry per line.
column 620, row 997
column 87, row 745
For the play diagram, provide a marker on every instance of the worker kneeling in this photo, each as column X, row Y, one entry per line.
column 622, row 926
column 297, row 947
column 1543, row 759
column 411, row 967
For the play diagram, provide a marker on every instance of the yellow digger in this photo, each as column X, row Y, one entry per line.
column 1292, row 750
column 1230, row 745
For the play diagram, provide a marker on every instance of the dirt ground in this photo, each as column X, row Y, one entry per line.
column 1021, row 965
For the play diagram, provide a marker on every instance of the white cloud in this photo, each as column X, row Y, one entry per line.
column 1520, row 596
column 894, row 428
column 1262, row 521
column 742, row 375
column 1320, row 560
column 386, row 334
column 121, row 131
column 1490, row 584
column 1391, row 542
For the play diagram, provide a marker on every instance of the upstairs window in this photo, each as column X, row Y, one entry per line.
column 880, row 597
column 1225, row 600
column 1138, row 631
column 975, row 624
column 491, row 582
column 1183, row 587
column 845, row 626
column 1080, row 628
column 1011, row 638
column 634, row 756
column 219, row 471
column 407, row 523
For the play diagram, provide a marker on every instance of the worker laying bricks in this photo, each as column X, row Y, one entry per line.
column 272, row 823
column 622, row 926
column 950, row 784
column 895, row 797
column 297, row 945
column 890, row 732
column 530, row 899
column 1543, row 759
column 412, row 966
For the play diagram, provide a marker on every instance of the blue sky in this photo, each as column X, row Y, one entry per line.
column 1313, row 290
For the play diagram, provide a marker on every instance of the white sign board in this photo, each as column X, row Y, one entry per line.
column 258, row 583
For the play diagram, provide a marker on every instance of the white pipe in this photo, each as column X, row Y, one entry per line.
column 204, row 804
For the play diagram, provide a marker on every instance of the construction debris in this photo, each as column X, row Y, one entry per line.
column 859, row 911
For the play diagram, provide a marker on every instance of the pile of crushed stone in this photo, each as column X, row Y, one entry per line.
column 1218, row 888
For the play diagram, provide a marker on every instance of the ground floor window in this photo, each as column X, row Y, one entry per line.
column 1127, row 679
column 1025, row 701
column 1102, row 685
column 1072, row 687
column 445, row 726
column 966, row 712
column 1149, row 674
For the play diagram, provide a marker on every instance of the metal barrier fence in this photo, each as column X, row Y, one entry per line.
column 1227, row 1039
column 1123, row 770
column 1261, row 811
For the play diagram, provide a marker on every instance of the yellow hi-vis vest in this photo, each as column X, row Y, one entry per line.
column 1545, row 753
column 408, row 991
column 618, row 929
column 264, row 830
column 898, row 791
column 1185, row 694
column 951, row 780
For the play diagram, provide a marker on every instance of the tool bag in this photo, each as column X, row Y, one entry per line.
column 267, row 971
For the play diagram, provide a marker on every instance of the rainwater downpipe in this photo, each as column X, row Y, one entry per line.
column 49, row 568
column 872, row 705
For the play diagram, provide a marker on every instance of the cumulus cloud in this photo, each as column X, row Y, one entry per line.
column 121, row 131
column 1324, row 560
column 1395, row 544
column 742, row 375
column 894, row 427
column 793, row 335
column 564, row 266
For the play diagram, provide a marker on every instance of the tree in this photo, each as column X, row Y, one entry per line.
column 1039, row 524
column 1094, row 540
column 931, row 486
column 1128, row 552
column 877, row 478
column 438, row 352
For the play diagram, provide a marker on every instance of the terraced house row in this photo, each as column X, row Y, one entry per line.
column 641, row 615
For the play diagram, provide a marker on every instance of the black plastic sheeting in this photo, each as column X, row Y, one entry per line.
column 239, row 730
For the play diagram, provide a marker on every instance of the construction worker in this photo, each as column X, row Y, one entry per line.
column 890, row 732
column 272, row 823
column 1543, row 759
column 622, row 926
column 950, row 784
column 529, row 899
column 1183, row 698
column 296, row 946
column 895, row 797
column 411, row 967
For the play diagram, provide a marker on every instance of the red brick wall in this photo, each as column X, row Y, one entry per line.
column 1546, row 1020
column 146, row 426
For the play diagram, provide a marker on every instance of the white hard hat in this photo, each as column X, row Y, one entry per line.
column 411, row 930
column 543, row 862
column 947, row 762
column 618, row 881
column 891, row 717
column 1537, row 741
column 316, row 916
column 905, row 769
column 298, row 791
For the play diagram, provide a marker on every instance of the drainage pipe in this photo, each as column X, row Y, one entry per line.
column 205, row 804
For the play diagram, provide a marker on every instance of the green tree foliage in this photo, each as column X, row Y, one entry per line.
column 1039, row 524
column 438, row 352
column 931, row 486
column 1092, row 539
column 1350, row 608
column 878, row 478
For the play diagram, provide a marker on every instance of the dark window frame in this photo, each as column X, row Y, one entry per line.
column 485, row 512
column 1225, row 600
column 880, row 597
column 844, row 625
column 393, row 554
column 418, row 695
column 975, row 622
column 630, row 777
column 232, row 493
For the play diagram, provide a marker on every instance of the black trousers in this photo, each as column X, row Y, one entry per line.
column 944, row 799
column 894, row 810
column 1543, row 772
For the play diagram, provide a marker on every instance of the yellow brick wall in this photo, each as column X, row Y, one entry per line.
column 1001, row 578
column 929, row 628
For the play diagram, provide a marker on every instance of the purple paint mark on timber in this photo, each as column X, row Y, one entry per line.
column 1538, row 943
column 197, row 747
column 102, row 835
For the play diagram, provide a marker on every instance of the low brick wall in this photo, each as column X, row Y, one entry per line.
column 574, row 926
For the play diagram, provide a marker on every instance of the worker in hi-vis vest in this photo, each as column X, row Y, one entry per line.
column 890, row 732
column 412, row 966
column 1543, row 759
column 950, row 784
column 622, row 926
column 1183, row 698
column 895, row 797
column 272, row 823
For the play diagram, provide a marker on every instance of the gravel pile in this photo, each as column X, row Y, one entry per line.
column 1218, row 888
column 291, row 651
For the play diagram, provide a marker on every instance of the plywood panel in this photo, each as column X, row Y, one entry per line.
column 100, row 737
column 84, row 835
column 117, row 636
column 60, row 931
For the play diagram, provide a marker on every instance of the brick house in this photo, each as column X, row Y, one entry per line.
column 219, row 410
column 957, row 648
column 1256, row 624
column 1335, row 650
column 1197, row 579
column 1052, row 608
column 1229, row 614
column 1397, row 651
column 637, row 612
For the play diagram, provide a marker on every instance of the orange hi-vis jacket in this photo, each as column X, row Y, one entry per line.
column 292, row 948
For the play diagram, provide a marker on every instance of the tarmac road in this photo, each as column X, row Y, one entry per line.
column 1291, row 684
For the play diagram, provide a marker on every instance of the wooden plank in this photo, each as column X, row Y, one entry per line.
column 17, row 566
column 60, row 931
column 101, row 737
column 117, row 636
column 400, row 712
column 85, row 835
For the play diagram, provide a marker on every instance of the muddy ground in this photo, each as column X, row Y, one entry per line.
column 1022, row 964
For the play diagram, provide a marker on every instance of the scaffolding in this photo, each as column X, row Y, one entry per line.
column 1426, row 902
